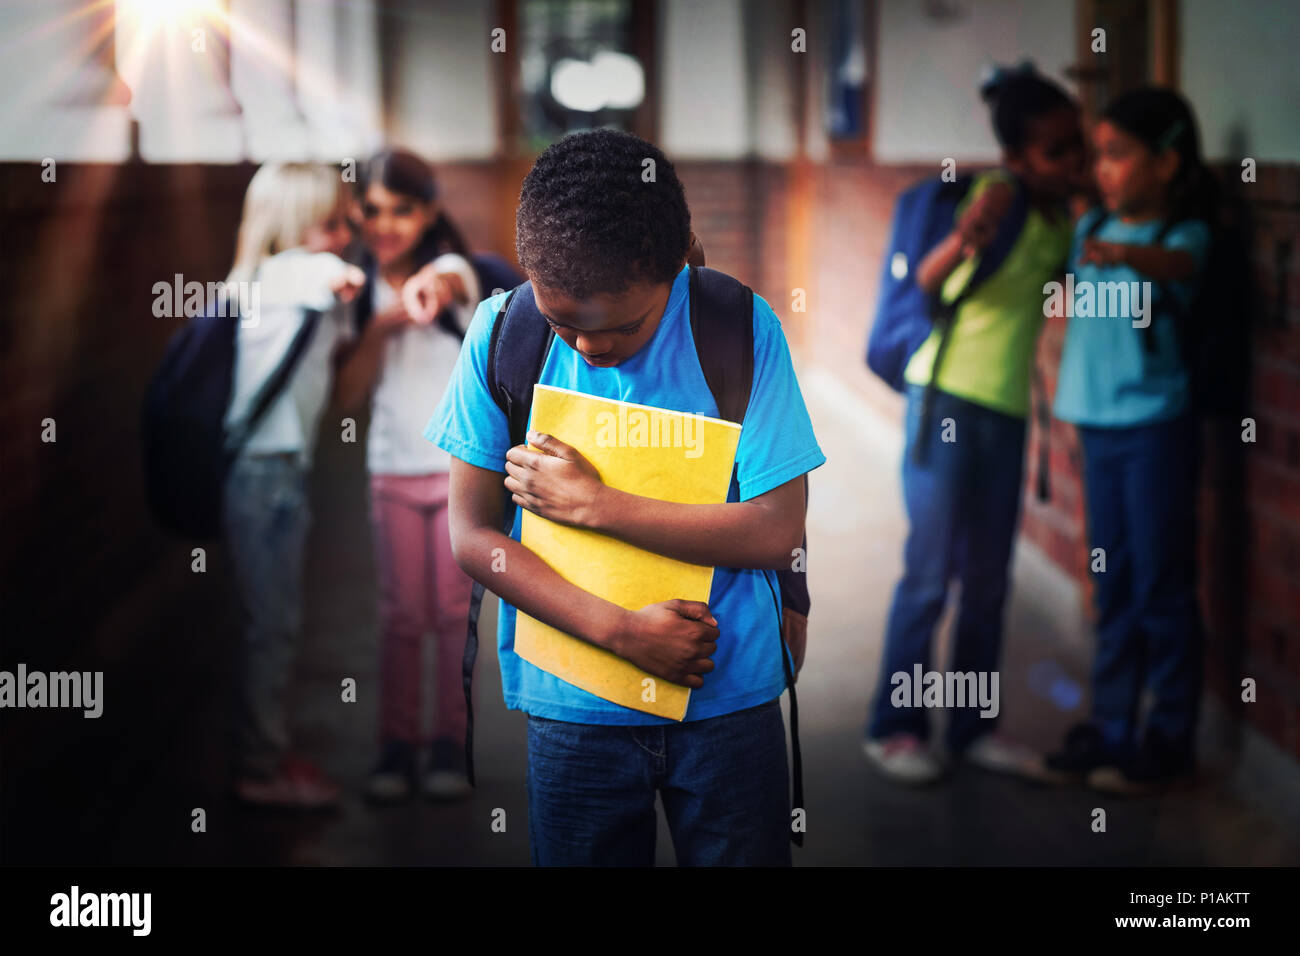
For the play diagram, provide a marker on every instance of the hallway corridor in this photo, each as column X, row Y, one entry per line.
column 123, row 788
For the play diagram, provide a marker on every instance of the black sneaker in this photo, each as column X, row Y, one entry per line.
column 393, row 779
column 1156, row 765
column 445, row 777
column 1083, row 752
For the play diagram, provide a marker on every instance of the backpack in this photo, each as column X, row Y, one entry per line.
column 906, row 314
column 1211, row 330
column 722, row 325
column 187, row 449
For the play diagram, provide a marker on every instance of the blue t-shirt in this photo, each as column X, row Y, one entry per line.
column 776, row 445
column 1107, row 378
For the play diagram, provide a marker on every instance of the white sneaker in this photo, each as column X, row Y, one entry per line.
column 999, row 754
column 446, row 785
column 903, row 758
column 445, row 778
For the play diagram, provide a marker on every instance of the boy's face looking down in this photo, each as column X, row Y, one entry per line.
column 605, row 329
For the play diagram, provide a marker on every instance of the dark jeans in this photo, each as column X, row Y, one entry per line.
column 723, row 783
column 267, row 516
column 1141, row 485
column 963, row 504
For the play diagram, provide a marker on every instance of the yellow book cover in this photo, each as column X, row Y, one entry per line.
column 647, row 451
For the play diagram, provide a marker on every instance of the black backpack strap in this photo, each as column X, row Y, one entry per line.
column 722, row 325
column 521, row 339
column 238, row 435
column 944, row 314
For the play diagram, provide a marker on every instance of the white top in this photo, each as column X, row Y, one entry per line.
column 418, row 363
column 285, row 285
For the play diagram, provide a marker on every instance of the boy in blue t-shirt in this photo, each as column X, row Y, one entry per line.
column 606, row 253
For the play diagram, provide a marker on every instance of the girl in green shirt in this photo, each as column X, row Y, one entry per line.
column 962, row 492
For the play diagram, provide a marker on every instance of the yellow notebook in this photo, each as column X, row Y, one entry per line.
column 652, row 452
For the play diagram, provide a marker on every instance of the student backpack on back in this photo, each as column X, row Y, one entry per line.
column 905, row 313
column 187, row 448
column 722, row 325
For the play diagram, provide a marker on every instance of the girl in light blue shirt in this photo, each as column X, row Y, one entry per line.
column 1135, row 269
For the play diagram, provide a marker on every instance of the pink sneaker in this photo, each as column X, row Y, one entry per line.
column 299, row 785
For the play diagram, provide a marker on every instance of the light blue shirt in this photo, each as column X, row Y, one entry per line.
column 776, row 445
column 1107, row 378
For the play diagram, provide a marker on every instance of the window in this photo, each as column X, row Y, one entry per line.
column 580, row 67
column 846, row 65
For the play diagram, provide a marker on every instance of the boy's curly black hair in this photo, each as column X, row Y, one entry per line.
column 588, row 221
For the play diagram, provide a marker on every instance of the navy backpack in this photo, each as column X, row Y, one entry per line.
column 187, row 449
column 722, row 325
column 906, row 315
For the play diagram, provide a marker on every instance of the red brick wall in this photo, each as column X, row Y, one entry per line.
column 852, row 207
column 738, row 213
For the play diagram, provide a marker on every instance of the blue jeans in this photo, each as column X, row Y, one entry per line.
column 723, row 783
column 1141, row 485
column 963, row 505
column 266, row 514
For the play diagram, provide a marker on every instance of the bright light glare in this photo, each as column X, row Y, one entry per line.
column 610, row 80
column 621, row 78
column 153, row 10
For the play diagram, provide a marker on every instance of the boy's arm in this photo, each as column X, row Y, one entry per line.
column 673, row 640
column 1158, row 263
column 561, row 485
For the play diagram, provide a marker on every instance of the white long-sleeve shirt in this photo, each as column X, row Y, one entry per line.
column 418, row 363
column 288, row 284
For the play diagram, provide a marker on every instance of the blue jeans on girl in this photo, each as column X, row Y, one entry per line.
column 1141, row 484
column 267, row 516
column 963, row 505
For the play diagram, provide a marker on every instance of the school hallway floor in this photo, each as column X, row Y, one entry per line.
column 125, row 790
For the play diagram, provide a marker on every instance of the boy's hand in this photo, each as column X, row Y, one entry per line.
column 556, row 482
column 673, row 640
column 1101, row 253
column 979, row 224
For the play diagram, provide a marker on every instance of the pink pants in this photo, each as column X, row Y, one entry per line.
column 421, row 590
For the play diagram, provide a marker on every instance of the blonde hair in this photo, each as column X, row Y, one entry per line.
column 283, row 201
